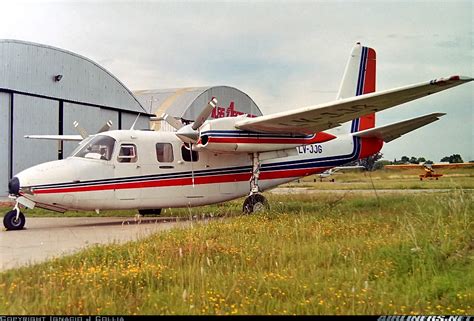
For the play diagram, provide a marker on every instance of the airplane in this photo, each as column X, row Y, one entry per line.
column 213, row 161
column 429, row 172
column 327, row 173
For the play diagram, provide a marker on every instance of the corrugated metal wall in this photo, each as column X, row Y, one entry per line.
column 187, row 103
column 30, row 68
column 86, row 92
column 4, row 141
column 33, row 115
column 129, row 118
column 225, row 96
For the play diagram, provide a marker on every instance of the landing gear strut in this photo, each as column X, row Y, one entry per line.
column 14, row 220
column 255, row 201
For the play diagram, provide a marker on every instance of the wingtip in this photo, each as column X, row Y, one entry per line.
column 465, row 78
column 456, row 79
column 461, row 78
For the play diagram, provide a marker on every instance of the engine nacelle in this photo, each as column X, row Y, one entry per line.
column 221, row 135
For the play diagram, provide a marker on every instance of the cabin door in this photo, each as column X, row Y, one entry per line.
column 127, row 172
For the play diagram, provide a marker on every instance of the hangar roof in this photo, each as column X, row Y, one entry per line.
column 34, row 69
column 186, row 103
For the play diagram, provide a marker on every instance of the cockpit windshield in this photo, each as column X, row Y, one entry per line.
column 99, row 147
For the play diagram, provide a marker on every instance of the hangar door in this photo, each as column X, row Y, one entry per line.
column 4, row 142
column 33, row 115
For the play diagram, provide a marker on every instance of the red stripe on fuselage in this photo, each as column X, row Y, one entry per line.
column 232, row 178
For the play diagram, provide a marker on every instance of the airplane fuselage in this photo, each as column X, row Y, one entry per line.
column 159, row 171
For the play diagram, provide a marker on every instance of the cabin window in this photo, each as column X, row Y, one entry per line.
column 98, row 147
column 164, row 152
column 188, row 155
column 127, row 154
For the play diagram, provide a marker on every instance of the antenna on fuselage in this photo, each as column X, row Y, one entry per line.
column 134, row 123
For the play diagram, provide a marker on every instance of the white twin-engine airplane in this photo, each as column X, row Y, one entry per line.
column 211, row 161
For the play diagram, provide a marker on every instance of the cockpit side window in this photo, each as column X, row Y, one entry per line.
column 127, row 154
column 99, row 147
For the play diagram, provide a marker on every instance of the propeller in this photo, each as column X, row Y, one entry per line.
column 106, row 127
column 190, row 133
column 176, row 124
column 80, row 130
column 84, row 133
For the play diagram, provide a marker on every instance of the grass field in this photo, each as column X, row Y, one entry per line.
column 390, row 179
column 310, row 254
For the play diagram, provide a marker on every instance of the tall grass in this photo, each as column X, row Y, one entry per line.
column 403, row 254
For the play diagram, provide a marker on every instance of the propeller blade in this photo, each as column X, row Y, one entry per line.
column 106, row 127
column 176, row 124
column 205, row 113
column 80, row 130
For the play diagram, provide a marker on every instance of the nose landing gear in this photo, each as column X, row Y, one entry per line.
column 14, row 220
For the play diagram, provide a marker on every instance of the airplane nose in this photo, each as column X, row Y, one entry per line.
column 14, row 186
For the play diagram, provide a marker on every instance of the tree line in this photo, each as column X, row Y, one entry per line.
column 454, row 158
column 375, row 161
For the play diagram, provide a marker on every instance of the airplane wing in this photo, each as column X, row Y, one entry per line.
column 342, row 168
column 403, row 166
column 56, row 137
column 452, row 165
column 390, row 132
column 321, row 117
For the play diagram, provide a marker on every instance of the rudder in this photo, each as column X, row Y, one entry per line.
column 359, row 78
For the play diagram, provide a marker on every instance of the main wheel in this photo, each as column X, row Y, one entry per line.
column 12, row 223
column 255, row 203
column 156, row 211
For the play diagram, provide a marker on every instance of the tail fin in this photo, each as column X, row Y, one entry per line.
column 359, row 78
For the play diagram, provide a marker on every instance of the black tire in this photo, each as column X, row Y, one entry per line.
column 155, row 211
column 11, row 223
column 255, row 203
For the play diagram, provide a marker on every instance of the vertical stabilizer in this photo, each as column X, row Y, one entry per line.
column 359, row 78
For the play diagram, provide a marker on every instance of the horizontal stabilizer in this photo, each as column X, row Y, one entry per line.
column 390, row 132
column 56, row 137
column 318, row 118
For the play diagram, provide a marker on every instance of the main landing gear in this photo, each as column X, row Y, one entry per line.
column 14, row 220
column 255, row 202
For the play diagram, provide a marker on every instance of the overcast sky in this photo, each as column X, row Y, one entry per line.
column 285, row 54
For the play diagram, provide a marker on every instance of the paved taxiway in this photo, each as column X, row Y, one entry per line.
column 49, row 237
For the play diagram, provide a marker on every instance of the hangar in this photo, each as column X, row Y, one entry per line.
column 186, row 103
column 44, row 89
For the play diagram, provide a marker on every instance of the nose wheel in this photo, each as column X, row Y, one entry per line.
column 14, row 220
